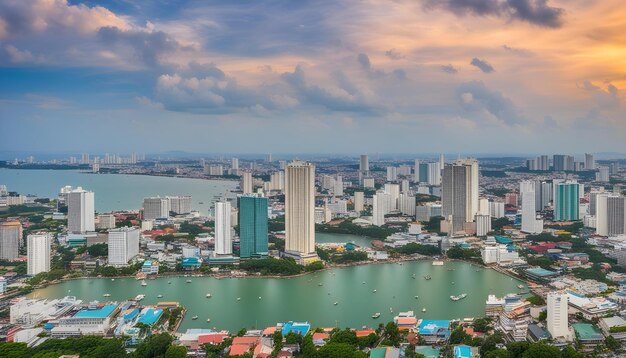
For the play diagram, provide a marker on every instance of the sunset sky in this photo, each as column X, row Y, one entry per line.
column 469, row 76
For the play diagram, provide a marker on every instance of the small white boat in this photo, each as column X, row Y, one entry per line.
column 364, row 282
column 112, row 279
column 520, row 286
column 336, row 303
column 320, row 284
column 159, row 295
column 376, row 315
column 374, row 291
column 194, row 318
column 208, row 320
column 238, row 298
column 208, row 295
column 188, row 281
column 139, row 297
column 259, row 297
column 107, row 295
column 169, row 282
column 424, row 309
column 143, row 283
column 416, row 297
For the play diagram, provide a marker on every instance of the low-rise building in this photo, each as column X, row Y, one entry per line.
column 614, row 326
column 92, row 319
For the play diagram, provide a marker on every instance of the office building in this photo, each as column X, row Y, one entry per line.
column 300, row 211
column 459, row 194
column 566, row 201
column 179, row 205
column 423, row 172
column 557, row 319
column 106, row 221
column 156, row 208
column 246, row 183
column 10, row 238
column 359, row 201
column 426, row 211
column 223, row 231
column 123, row 245
column 530, row 223
column 38, row 251
column 590, row 162
column 253, row 226
column 610, row 211
column 80, row 211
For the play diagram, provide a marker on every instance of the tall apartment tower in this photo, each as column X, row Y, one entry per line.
column 364, row 164
column 530, row 224
column 359, row 201
column 234, row 163
column 246, row 182
column 10, row 237
column 38, row 249
column 253, row 225
column 590, row 162
column 380, row 207
column 223, row 233
column 300, row 211
column 80, row 211
column 557, row 315
column 459, row 194
column 155, row 208
column 123, row 245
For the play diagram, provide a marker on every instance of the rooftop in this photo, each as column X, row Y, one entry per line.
column 541, row 272
column 428, row 326
column 102, row 312
column 298, row 327
column 587, row 331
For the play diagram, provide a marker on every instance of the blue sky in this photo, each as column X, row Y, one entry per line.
column 493, row 76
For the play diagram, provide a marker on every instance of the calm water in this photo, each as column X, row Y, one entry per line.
column 302, row 299
column 114, row 191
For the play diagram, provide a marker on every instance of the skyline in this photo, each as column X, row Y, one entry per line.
column 501, row 76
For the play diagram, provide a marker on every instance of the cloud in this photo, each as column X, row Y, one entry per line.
column 482, row 65
column 536, row 12
column 364, row 61
column 449, row 69
column 146, row 46
column 517, row 51
column 394, row 54
column 475, row 98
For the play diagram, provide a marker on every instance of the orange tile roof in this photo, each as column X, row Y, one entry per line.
column 239, row 349
column 407, row 320
column 247, row 340
column 320, row 336
column 213, row 338
column 364, row 332
column 269, row 330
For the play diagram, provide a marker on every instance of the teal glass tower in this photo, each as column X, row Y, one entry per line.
column 252, row 226
column 566, row 201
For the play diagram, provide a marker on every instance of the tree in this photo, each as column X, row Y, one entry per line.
column 491, row 342
column 482, row 325
column 458, row 336
column 293, row 338
column 612, row 344
column 541, row 350
column 517, row 349
column 499, row 353
column 347, row 336
column 13, row 350
column 154, row 346
column 176, row 352
column 392, row 334
column 340, row 350
column 98, row 250
column 543, row 315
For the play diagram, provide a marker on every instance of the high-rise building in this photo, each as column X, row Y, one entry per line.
column 566, row 201
column 530, row 224
column 406, row 204
column 234, row 163
column 556, row 320
column 359, row 201
column 253, row 225
column 610, row 211
column 483, row 224
column 602, row 175
column 590, row 162
column 459, row 194
column 300, row 211
column 364, row 165
column 156, row 208
column 394, row 194
column 434, row 173
column 10, row 237
column 405, row 186
column 380, row 207
column 38, row 249
column 562, row 162
column 277, row 181
column 80, row 211
column 392, row 173
column 223, row 231
column 106, row 221
column 338, row 186
column 369, row 183
column 246, row 182
column 179, row 204
column 423, row 173
column 123, row 245
column 416, row 171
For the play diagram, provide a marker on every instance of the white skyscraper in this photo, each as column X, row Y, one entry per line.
column 123, row 245
column 223, row 233
column 80, row 211
column 434, row 173
column 610, row 214
column 483, row 224
column 155, row 208
column 392, row 173
column 406, row 204
column 234, row 163
column 178, row 205
column 38, row 248
column 300, row 211
column 246, row 182
column 338, row 186
column 530, row 224
column 557, row 315
column 380, row 207
column 359, row 200
column 394, row 194
column 459, row 194
column 364, row 164
column 590, row 162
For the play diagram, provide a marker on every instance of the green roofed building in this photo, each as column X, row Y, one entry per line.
column 252, row 226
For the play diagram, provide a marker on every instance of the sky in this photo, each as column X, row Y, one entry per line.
column 349, row 76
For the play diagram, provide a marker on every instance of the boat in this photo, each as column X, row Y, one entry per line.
column 238, row 298
column 364, row 282
column 376, row 315
column 416, row 297
column 336, row 303
column 437, row 263
column 143, row 283
column 520, row 286
column 188, row 281
column 424, row 309
column 194, row 318
column 159, row 295
column 259, row 297
column 169, row 282
column 427, row 277
column 320, row 284
column 208, row 320
column 139, row 297
column 374, row 291
column 450, row 269
column 208, row 295
column 112, row 279
column 107, row 295
column 459, row 297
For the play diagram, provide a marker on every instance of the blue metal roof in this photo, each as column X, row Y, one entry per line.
column 429, row 326
column 103, row 312
column 301, row 328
